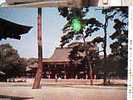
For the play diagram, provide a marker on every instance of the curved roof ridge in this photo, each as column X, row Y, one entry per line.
column 59, row 55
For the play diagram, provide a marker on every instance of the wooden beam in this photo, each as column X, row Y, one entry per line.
column 51, row 3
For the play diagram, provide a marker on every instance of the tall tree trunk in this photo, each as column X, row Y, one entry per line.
column 88, row 60
column 36, row 84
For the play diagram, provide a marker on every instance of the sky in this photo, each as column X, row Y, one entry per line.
column 52, row 29
column 1, row 1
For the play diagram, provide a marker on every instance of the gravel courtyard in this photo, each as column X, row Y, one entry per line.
column 66, row 92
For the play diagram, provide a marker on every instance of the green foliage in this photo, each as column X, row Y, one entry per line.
column 118, row 16
column 97, row 40
column 78, row 55
column 119, row 47
column 10, row 62
column 77, row 25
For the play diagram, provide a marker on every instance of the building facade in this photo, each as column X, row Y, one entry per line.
column 59, row 66
column 90, row 2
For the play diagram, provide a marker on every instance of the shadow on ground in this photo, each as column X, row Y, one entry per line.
column 4, row 97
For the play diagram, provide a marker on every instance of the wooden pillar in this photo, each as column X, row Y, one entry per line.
column 76, row 77
column 86, row 76
column 64, row 71
column 48, row 74
column 55, row 71
column 56, row 77
column 36, row 84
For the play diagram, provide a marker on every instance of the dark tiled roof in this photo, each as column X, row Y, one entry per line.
column 60, row 55
column 13, row 30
